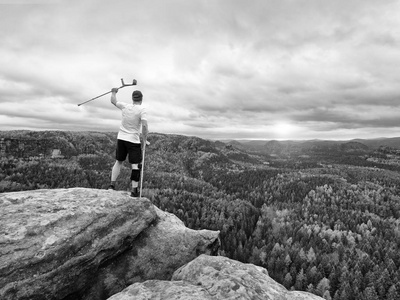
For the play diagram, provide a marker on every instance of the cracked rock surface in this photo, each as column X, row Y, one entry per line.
column 214, row 278
column 88, row 244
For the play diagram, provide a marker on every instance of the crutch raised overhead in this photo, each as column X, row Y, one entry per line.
column 122, row 86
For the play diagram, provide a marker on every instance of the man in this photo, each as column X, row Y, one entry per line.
column 134, row 118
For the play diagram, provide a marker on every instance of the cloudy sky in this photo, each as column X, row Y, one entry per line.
column 218, row 69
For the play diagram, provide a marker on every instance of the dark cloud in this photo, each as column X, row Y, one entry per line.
column 229, row 68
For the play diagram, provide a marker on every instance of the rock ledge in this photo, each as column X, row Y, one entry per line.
column 89, row 244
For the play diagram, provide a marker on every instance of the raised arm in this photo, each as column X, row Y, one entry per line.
column 114, row 92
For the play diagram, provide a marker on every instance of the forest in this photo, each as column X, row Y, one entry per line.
column 322, row 218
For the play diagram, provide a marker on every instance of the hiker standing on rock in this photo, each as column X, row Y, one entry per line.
column 134, row 120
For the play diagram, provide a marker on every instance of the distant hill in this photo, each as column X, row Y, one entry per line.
column 376, row 143
column 275, row 147
column 354, row 146
column 293, row 147
column 167, row 152
column 191, row 149
column 22, row 143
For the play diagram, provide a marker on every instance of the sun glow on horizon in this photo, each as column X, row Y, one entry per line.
column 284, row 130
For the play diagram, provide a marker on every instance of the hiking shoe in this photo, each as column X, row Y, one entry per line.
column 111, row 187
column 135, row 193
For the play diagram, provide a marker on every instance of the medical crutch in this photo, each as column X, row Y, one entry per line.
column 141, row 175
column 122, row 86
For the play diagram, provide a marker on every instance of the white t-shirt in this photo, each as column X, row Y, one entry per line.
column 131, row 123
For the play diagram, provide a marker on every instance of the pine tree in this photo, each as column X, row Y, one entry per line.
column 392, row 293
column 327, row 295
column 345, row 292
column 370, row 293
column 310, row 288
column 311, row 257
column 323, row 286
column 302, row 255
column 288, row 260
column 383, row 283
column 300, row 280
column 255, row 256
column 288, row 281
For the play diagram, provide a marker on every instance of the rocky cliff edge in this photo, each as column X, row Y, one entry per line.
column 91, row 244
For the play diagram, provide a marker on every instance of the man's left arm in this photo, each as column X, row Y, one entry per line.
column 145, row 129
column 145, row 125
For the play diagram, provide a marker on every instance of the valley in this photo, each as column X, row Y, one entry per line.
column 321, row 216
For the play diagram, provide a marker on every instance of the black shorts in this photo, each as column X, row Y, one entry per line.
column 124, row 148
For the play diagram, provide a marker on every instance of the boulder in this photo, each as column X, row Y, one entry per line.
column 224, row 278
column 214, row 278
column 88, row 244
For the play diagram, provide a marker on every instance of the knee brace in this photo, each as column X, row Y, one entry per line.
column 135, row 175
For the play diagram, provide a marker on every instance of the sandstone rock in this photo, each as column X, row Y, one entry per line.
column 88, row 244
column 214, row 278
column 157, row 252
column 225, row 278
column 162, row 290
column 53, row 241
